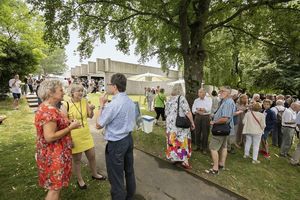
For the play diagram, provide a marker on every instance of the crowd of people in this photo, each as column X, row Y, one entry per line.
column 251, row 120
column 234, row 121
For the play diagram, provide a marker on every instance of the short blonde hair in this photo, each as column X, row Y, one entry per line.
column 177, row 90
column 256, row 107
column 47, row 88
column 73, row 88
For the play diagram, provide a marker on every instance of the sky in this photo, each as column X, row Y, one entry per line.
column 107, row 50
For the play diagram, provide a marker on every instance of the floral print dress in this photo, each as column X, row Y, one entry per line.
column 54, row 159
column 178, row 139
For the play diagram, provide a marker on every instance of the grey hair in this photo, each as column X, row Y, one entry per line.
column 74, row 87
column 47, row 88
column 255, row 95
column 227, row 88
column 177, row 90
column 279, row 102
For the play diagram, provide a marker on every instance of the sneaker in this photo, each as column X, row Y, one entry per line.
column 262, row 151
column 245, row 156
column 267, row 155
column 255, row 161
column 282, row 155
column 212, row 171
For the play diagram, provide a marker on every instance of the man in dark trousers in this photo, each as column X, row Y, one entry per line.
column 118, row 118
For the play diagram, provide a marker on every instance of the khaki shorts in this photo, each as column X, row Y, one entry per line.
column 218, row 142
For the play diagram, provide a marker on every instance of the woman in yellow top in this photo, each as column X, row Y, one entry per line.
column 78, row 108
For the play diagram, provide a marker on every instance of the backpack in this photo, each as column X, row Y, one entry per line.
column 279, row 115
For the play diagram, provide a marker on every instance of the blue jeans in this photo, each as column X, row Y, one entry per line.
column 119, row 159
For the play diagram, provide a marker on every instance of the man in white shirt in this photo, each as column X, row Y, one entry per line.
column 288, row 128
column 202, row 110
column 296, row 156
column 277, row 134
column 15, row 84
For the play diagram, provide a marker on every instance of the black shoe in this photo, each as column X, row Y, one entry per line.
column 231, row 151
column 102, row 178
column 84, row 187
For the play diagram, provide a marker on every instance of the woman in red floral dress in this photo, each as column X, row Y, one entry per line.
column 54, row 158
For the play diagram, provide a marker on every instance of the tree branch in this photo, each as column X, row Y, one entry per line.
column 170, row 49
column 136, row 11
column 253, row 36
column 284, row 8
column 211, row 27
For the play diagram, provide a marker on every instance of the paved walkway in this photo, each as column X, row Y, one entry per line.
column 159, row 180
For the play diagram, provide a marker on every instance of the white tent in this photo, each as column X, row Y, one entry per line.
column 148, row 77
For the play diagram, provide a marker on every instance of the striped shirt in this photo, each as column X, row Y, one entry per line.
column 118, row 117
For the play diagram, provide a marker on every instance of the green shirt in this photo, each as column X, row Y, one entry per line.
column 159, row 101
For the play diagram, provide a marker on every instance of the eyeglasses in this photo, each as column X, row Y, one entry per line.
column 109, row 84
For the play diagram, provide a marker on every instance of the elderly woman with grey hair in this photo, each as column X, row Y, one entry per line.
column 53, row 142
column 178, row 139
column 79, row 109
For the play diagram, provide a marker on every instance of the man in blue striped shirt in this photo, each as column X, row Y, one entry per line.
column 118, row 118
column 218, row 144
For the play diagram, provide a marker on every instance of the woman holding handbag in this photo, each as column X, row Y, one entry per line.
column 178, row 139
column 254, row 124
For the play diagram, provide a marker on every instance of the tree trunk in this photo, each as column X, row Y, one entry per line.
column 193, row 52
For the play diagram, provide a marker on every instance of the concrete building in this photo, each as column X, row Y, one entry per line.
column 105, row 68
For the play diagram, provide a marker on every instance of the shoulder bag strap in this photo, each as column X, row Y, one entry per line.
column 178, row 106
column 219, row 106
column 256, row 119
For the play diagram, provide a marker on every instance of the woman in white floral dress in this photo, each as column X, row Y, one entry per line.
column 178, row 139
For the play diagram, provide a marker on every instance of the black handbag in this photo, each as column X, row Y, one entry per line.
column 221, row 129
column 182, row 122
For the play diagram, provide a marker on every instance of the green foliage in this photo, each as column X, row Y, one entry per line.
column 259, row 50
column 20, row 40
column 54, row 63
column 22, row 48
column 182, row 33
column 16, row 58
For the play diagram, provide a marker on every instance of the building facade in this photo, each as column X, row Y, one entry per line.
column 105, row 68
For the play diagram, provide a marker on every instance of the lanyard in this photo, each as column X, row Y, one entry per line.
column 80, row 112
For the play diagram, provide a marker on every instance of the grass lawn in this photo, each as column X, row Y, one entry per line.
column 272, row 179
column 18, row 172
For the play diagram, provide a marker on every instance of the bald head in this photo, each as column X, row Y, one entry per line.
column 295, row 106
